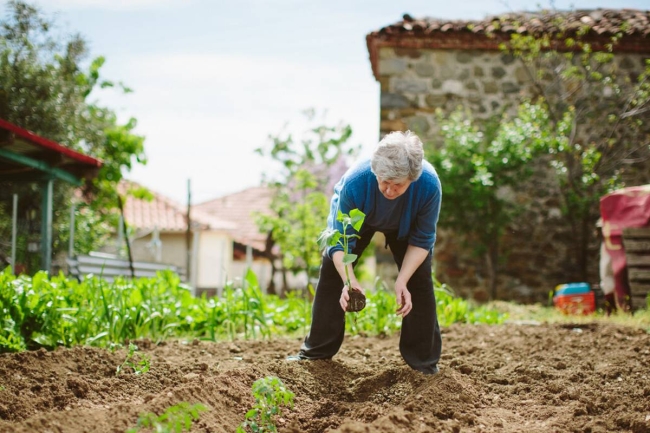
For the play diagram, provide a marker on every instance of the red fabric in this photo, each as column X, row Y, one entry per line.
column 624, row 208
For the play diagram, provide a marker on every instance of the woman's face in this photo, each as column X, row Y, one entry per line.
column 393, row 188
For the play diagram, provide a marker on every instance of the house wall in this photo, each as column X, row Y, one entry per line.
column 261, row 268
column 414, row 84
column 172, row 249
column 214, row 259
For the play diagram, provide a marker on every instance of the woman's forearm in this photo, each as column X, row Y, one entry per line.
column 413, row 258
column 337, row 258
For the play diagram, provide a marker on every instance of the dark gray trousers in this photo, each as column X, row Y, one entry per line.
column 420, row 341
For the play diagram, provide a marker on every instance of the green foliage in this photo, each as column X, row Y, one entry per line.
column 175, row 419
column 597, row 127
column 48, row 312
column 298, row 214
column 453, row 309
column 482, row 164
column 138, row 366
column 331, row 236
column 300, row 202
column 45, row 88
column 379, row 318
column 270, row 394
column 245, row 309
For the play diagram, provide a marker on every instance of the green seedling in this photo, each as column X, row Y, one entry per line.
column 139, row 367
column 175, row 419
column 332, row 237
column 270, row 393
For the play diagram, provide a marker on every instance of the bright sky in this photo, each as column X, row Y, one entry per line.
column 213, row 78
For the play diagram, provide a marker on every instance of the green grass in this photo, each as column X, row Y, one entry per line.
column 546, row 314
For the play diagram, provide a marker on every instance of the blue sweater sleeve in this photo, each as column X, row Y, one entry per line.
column 423, row 229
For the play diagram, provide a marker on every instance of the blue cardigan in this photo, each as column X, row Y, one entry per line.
column 357, row 189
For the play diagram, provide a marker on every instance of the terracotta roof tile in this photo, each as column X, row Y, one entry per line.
column 165, row 213
column 239, row 209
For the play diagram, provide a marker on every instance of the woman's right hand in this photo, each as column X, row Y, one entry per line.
column 345, row 296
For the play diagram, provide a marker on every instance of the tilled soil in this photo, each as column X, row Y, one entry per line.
column 592, row 377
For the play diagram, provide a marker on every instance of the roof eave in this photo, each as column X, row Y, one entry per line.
column 467, row 40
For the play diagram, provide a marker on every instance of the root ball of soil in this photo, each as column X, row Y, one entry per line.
column 357, row 301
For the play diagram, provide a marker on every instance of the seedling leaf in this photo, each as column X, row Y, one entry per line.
column 348, row 259
column 356, row 218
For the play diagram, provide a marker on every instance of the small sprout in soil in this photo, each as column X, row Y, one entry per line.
column 139, row 367
column 175, row 419
column 332, row 237
column 270, row 393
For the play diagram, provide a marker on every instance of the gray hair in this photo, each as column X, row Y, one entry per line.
column 399, row 155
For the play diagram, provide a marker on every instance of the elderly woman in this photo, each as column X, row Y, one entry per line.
column 400, row 194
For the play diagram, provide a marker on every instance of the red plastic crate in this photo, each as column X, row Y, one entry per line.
column 583, row 303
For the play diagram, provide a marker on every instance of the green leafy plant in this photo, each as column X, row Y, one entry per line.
column 139, row 367
column 175, row 419
column 270, row 393
column 331, row 237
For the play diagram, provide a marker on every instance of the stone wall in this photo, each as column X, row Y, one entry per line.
column 535, row 253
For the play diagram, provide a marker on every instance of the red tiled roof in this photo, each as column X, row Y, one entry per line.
column 165, row 214
column 488, row 33
column 239, row 208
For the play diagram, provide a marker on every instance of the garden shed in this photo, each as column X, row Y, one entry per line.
column 27, row 157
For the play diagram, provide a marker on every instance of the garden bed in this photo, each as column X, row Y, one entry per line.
column 590, row 377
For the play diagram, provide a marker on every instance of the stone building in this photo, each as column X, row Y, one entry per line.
column 427, row 64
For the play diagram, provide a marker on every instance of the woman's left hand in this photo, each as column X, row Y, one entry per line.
column 403, row 297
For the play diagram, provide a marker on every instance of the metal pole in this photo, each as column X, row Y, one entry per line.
column 188, row 234
column 14, row 234
column 46, row 226
column 192, row 274
column 71, row 245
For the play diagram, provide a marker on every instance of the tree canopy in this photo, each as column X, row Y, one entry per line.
column 300, row 203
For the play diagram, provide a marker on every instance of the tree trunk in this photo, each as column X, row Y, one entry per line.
column 268, row 253
column 492, row 259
